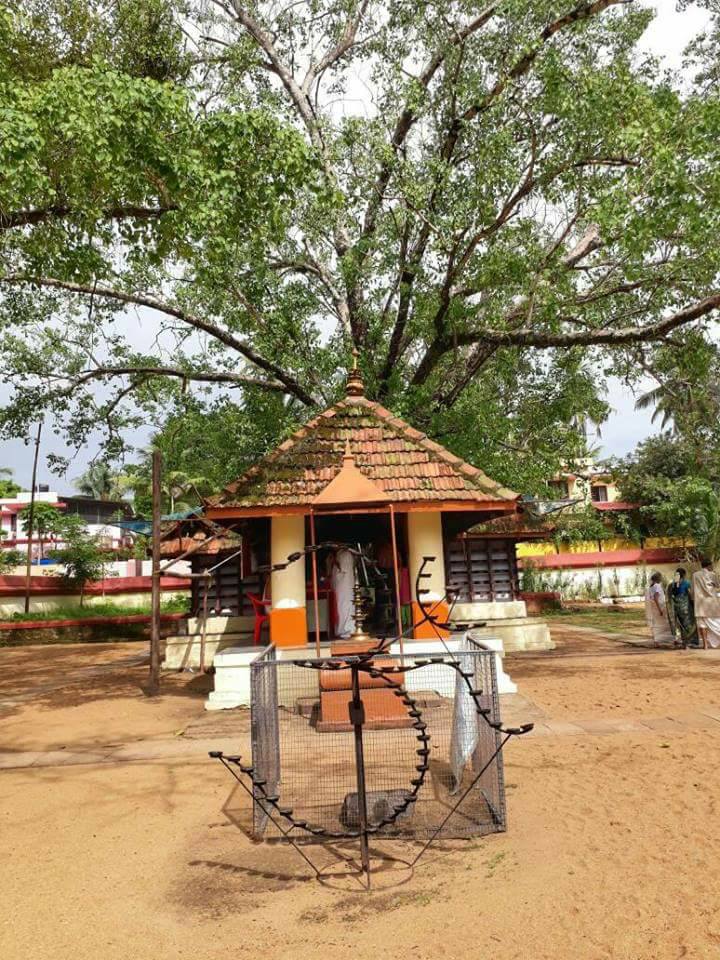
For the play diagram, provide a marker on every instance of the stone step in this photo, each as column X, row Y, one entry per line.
column 383, row 711
column 217, row 625
column 236, row 639
column 185, row 651
column 342, row 679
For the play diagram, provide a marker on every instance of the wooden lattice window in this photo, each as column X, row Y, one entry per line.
column 482, row 570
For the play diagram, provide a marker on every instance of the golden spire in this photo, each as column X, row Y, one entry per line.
column 355, row 386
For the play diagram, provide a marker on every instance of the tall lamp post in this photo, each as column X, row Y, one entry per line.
column 154, row 679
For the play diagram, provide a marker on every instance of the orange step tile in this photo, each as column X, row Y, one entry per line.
column 383, row 711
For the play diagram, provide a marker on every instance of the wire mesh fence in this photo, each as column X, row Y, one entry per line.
column 423, row 737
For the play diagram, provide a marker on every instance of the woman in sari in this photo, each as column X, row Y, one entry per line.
column 706, row 597
column 680, row 607
column 656, row 612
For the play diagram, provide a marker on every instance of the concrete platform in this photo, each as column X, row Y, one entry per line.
column 519, row 633
column 232, row 671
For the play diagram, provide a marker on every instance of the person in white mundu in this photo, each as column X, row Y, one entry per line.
column 706, row 598
column 343, row 583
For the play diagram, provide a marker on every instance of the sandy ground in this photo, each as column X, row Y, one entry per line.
column 613, row 847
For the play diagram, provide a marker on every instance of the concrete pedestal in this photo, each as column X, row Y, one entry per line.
column 220, row 633
column 508, row 621
column 232, row 671
column 232, row 678
column 420, row 649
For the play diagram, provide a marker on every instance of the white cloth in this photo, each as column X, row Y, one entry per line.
column 711, row 626
column 343, row 583
column 658, row 621
column 705, row 587
column 464, row 734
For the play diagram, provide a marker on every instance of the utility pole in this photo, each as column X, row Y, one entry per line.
column 154, row 680
column 31, row 520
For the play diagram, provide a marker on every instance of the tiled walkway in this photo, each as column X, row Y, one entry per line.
column 517, row 709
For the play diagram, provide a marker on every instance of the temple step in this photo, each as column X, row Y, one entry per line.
column 342, row 679
column 383, row 711
column 339, row 648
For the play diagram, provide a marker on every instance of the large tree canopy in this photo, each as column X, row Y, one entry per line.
column 493, row 203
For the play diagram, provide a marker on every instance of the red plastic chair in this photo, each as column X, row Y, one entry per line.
column 261, row 615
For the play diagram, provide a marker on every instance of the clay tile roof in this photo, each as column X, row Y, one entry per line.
column 398, row 460
column 175, row 546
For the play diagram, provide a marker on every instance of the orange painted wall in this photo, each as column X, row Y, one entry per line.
column 426, row 631
column 288, row 627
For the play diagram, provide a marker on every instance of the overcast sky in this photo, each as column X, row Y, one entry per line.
column 667, row 37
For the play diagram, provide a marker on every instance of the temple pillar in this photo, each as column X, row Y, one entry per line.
column 425, row 539
column 288, row 615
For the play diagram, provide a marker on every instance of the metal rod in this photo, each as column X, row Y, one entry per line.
column 396, row 571
column 188, row 553
column 31, row 520
column 316, row 602
column 225, row 560
column 356, row 716
column 276, row 824
column 465, row 793
column 154, row 680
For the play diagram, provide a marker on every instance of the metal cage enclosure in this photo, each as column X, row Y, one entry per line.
column 422, row 733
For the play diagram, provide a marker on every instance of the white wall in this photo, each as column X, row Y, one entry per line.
column 613, row 581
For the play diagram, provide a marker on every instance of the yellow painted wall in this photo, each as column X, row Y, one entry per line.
column 287, row 535
column 544, row 548
column 425, row 539
column 288, row 616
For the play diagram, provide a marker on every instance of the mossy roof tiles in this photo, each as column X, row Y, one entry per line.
column 400, row 460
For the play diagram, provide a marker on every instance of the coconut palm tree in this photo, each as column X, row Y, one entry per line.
column 101, row 482
column 677, row 397
column 184, row 492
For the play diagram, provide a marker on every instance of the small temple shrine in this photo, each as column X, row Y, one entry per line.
column 356, row 474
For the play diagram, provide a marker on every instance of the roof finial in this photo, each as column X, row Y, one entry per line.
column 355, row 386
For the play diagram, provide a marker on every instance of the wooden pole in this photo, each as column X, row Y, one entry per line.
column 203, row 631
column 315, row 588
column 396, row 571
column 154, row 679
column 31, row 520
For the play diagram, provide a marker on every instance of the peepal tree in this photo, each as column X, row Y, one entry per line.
column 492, row 203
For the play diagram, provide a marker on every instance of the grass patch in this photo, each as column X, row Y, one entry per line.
column 177, row 604
column 612, row 619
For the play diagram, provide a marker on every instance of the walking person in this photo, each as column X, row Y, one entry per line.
column 680, row 607
column 706, row 598
column 656, row 611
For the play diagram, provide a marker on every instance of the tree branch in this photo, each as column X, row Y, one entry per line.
column 527, row 337
column 298, row 96
column 347, row 41
column 237, row 379
column 583, row 11
column 153, row 303
column 24, row 218
column 477, row 359
column 409, row 115
column 488, row 341
column 303, row 105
